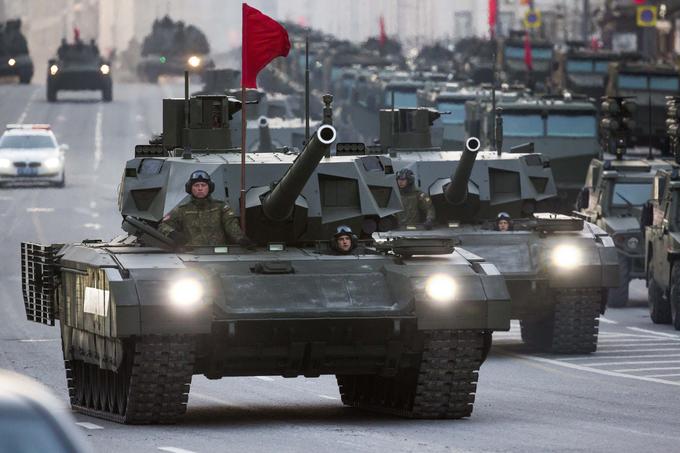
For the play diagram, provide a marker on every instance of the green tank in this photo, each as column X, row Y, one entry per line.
column 15, row 59
column 404, row 325
column 77, row 67
column 558, row 268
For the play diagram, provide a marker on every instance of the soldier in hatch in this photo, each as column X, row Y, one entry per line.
column 203, row 221
column 503, row 222
column 418, row 207
column 344, row 241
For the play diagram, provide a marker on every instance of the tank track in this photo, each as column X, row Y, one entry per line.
column 573, row 325
column 151, row 386
column 443, row 387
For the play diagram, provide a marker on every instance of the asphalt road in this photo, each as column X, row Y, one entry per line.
column 624, row 398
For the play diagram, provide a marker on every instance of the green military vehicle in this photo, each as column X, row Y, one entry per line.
column 79, row 66
column 648, row 84
column 558, row 268
column 563, row 129
column 662, row 249
column 405, row 328
column 15, row 59
column 613, row 198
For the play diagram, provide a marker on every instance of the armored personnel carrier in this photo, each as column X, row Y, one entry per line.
column 558, row 268
column 14, row 57
column 562, row 128
column 404, row 329
column 172, row 48
column 79, row 66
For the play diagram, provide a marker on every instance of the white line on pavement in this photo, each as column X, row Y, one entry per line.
column 599, row 357
column 88, row 425
column 636, row 362
column 175, row 450
column 22, row 117
column 664, row 375
column 662, row 334
column 98, row 138
column 39, row 209
column 39, row 340
column 633, row 345
column 264, row 378
column 616, row 351
column 607, row 321
column 634, row 370
column 335, row 398
column 631, row 340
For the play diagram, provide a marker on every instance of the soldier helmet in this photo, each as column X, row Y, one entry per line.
column 199, row 176
column 407, row 174
column 503, row 216
column 344, row 230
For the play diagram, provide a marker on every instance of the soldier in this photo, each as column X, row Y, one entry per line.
column 417, row 205
column 344, row 241
column 203, row 221
column 503, row 222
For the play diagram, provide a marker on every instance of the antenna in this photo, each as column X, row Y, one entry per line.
column 493, row 98
column 650, row 154
column 307, row 87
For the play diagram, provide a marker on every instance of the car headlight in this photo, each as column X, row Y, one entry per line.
column 53, row 69
column 105, row 69
column 440, row 288
column 52, row 163
column 186, row 293
column 566, row 256
column 11, row 62
column 194, row 61
column 632, row 243
column 5, row 163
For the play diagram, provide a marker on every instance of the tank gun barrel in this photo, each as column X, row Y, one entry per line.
column 265, row 142
column 279, row 203
column 457, row 191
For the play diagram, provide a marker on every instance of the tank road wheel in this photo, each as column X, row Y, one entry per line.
column 572, row 328
column 674, row 297
column 443, row 385
column 618, row 297
column 659, row 306
column 150, row 386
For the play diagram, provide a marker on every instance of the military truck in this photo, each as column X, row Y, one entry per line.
column 172, row 48
column 404, row 329
column 563, row 128
column 613, row 198
column 79, row 66
column 558, row 268
column 662, row 248
column 649, row 84
column 15, row 59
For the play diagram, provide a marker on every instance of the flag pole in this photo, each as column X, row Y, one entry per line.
column 244, row 126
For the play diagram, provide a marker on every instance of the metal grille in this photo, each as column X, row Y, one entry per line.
column 38, row 282
column 27, row 164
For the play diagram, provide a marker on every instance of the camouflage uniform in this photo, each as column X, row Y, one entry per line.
column 204, row 222
column 417, row 208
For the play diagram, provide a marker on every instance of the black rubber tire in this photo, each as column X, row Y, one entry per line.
column 107, row 93
column 51, row 93
column 25, row 78
column 659, row 307
column 674, row 297
column 618, row 297
column 62, row 183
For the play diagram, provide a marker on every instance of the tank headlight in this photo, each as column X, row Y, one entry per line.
column 566, row 256
column 5, row 163
column 632, row 243
column 53, row 69
column 186, row 293
column 105, row 69
column 11, row 62
column 52, row 163
column 440, row 288
column 194, row 61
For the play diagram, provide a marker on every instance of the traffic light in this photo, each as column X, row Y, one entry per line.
column 673, row 125
column 616, row 124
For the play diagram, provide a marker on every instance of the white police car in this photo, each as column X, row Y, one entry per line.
column 29, row 153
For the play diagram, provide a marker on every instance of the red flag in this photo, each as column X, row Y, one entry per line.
column 263, row 40
column 528, row 60
column 76, row 34
column 493, row 13
column 383, row 35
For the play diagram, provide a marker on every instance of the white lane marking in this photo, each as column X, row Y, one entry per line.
column 93, row 204
column 22, row 117
column 635, row 370
column 632, row 345
column 664, row 375
column 599, row 357
column 662, row 334
column 637, row 362
column 39, row 340
column 673, row 348
column 175, row 450
column 607, row 321
column 335, row 398
column 264, row 378
column 88, row 425
column 39, row 209
column 630, row 340
column 209, row 398
column 615, row 373
column 94, row 226
column 98, row 138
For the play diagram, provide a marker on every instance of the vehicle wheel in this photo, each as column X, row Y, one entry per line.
column 674, row 298
column 51, row 93
column 107, row 93
column 25, row 78
column 659, row 307
column 618, row 297
column 62, row 183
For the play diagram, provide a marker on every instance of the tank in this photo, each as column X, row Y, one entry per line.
column 558, row 268
column 171, row 48
column 512, row 64
column 78, row 67
column 404, row 324
column 15, row 59
column 219, row 81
